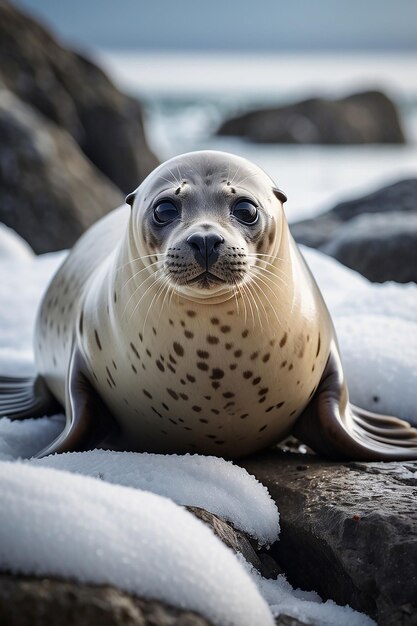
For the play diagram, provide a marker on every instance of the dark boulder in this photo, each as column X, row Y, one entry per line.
column 362, row 118
column 375, row 235
column 381, row 246
column 75, row 94
column 348, row 530
column 50, row 193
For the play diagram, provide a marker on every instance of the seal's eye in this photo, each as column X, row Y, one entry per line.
column 245, row 211
column 165, row 212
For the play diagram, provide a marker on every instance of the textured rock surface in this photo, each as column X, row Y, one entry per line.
column 75, row 94
column 367, row 117
column 379, row 246
column 349, row 531
column 50, row 193
column 31, row 601
column 375, row 234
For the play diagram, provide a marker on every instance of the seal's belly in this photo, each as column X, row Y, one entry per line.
column 218, row 392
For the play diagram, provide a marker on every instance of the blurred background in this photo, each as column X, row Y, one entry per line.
column 322, row 95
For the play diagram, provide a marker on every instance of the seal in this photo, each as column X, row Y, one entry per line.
column 188, row 321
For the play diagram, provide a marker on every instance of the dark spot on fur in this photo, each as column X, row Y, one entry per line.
column 135, row 350
column 244, row 416
column 238, row 353
column 114, row 365
column 196, row 408
column 225, row 329
column 182, row 323
column 283, row 340
column 166, row 407
column 215, row 321
column 171, row 358
column 269, row 408
column 134, row 368
column 207, row 397
column 148, row 352
column 171, row 322
column 188, row 334
column 115, row 297
column 228, row 346
column 233, row 366
column 203, row 420
column 245, row 333
column 266, row 357
column 203, row 354
column 263, row 391
column 212, row 339
column 228, row 394
column 178, row 348
column 184, row 396
column 216, row 373
column 284, row 363
column 318, row 345
column 191, row 313
column 215, row 411
column 254, row 356
column 172, row 393
column 160, row 366
column 169, row 366
column 291, row 366
column 293, row 412
column 81, row 326
column 191, row 378
column 262, row 399
column 202, row 366
column 375, row 398
column 141, row 336
column 247, row 374
column 256, row 380
column 226, row 406
column 97, row 340
column 147, row 394
column 215, row 384
column 110, row 376
column 173, row 421
column 314, row 367
column 154, row 331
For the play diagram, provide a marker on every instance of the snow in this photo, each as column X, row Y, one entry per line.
column 91, row 516
column 85, row 528
column 207, row 482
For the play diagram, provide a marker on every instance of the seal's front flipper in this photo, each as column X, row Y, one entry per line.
column 89, row 422
column 21, row 398
column 337, row 429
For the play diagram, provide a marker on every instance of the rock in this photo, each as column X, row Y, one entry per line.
column 379, row 246
column 50, row 193
column 75, row 94
column 366, row 117
column 27, row 600
column 238, row 541
column 375, row 234
column 348, row 530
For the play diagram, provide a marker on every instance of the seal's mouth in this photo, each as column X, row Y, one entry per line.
column 205, row 280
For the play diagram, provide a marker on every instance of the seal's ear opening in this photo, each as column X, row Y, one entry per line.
column 279, row 194
column 131, row 198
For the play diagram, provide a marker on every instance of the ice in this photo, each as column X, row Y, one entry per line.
column 57, row 523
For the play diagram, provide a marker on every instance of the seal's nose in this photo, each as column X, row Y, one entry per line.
column 206, row 247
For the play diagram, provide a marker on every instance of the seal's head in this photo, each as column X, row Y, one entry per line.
column 209, row 215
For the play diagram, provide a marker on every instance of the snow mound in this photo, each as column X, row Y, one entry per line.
column 56, row 523
column 380, row 362
column 207, row 482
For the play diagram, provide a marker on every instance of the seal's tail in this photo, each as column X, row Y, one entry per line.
column 21, row 398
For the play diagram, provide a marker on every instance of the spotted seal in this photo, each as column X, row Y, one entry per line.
column 189, row 322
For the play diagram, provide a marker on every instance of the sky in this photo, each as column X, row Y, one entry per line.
column 234, row 25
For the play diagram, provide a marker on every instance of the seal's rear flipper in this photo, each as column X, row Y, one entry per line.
column 21, row 398
column 337, row 429
column 89, row 422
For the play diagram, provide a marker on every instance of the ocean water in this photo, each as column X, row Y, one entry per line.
column 186, row 97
